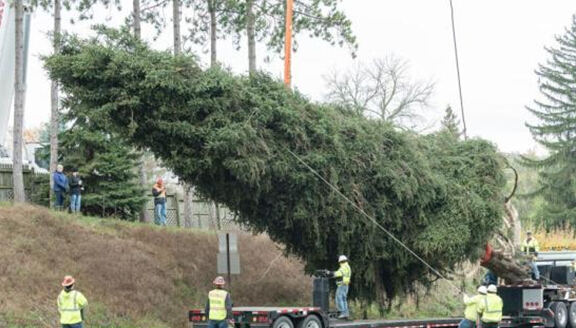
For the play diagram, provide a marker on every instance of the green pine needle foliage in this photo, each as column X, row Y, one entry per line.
column 231, row 137
column 105, row 161
column 555, row 129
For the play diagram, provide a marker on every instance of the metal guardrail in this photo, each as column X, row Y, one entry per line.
column 556, row 256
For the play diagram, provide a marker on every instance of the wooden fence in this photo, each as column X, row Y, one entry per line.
column 7, row 182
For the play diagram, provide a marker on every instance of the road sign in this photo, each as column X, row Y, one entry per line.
column 228, row 258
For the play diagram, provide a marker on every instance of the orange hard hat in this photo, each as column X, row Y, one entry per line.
column 219, row 281
column 68, row 281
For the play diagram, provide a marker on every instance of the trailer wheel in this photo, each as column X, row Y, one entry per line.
column 283, row 322
column 560, row 314
column 312, row 321
column 572, row 315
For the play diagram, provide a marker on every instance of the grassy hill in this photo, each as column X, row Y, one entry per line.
column 134, row 275
column 139, row 275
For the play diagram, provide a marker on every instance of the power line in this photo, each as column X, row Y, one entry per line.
column 457, row 68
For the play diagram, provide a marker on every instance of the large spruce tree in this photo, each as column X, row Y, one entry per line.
column 239, row 140
column 555, row 129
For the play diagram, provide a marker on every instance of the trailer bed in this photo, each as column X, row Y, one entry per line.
column 266, row 316
column 396, row 323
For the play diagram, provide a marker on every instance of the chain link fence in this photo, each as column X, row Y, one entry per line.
column 204, row 215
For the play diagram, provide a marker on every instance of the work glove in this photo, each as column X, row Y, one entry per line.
column 231, row 323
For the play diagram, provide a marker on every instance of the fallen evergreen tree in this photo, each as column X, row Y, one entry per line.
column 231, row 137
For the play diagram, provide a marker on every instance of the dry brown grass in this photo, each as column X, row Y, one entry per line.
column 556, row 240
column 129, row 272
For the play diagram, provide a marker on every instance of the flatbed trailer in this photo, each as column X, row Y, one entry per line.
column 525, row 306
column 312, row 317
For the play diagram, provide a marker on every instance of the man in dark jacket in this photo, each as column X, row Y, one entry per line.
column 75, row 192
column 60, row 186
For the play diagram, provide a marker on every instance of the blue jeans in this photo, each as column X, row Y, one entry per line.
column 76, row 325
column 59, row 199
column 535, row 272
column 465, row 323
column 75, row 201
column 217, row 324
column 342, row 299
column 160, row 214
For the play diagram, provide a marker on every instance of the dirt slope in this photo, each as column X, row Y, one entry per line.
column 133, row 275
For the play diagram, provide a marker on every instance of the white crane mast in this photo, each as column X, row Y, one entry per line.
column 7, row 62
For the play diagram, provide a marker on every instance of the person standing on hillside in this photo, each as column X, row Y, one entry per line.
column 60, row 186
column 342, row 276
column 159, row 193
column 76, row 189
column 471, row 312
column 219, row 306
column 71, row 304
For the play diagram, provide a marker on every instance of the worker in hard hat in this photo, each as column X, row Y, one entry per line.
column 471, row 311
column 71, row 304
column 531, row 248
column 490, row 310
column 530, row 244
column 219, row 306
column 342, row 276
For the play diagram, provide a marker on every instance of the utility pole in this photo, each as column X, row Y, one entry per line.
column 288, row 44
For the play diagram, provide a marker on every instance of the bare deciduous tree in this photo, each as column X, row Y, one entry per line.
column 380, row 89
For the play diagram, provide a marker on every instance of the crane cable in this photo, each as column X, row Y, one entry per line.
column 456, row 288
column 457, row 68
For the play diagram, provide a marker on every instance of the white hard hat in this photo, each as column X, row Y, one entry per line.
column 492, row 289
column 482, row 290
column 342, row 258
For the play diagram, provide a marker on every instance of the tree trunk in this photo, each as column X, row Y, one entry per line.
column 514, row 222
column 19, row 196
column 176, row 21
column 144, row 215
column 188, row 205
column 217, row 212
column 54, row 112
column 512, row 270
column 212, row 10
column 251, row 36
column 136, row 18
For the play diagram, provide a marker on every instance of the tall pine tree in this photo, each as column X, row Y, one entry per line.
column 107, row 165
column 556, row 131
column 241, row 141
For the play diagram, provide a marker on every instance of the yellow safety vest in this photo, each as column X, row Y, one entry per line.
column 491, row 308
column 69, row 306
column 217, row 302
column 531, row 246
column 345, row 272
column 471, row 312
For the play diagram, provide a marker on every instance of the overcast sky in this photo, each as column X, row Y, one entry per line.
column 500, row 43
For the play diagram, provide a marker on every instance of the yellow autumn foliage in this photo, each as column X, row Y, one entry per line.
column 557, row 240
